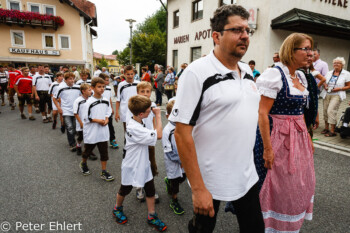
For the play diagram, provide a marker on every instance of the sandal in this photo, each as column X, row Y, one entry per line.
column 330, row 134
column 325, row 131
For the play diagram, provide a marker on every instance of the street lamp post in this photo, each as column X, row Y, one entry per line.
column 131, row 21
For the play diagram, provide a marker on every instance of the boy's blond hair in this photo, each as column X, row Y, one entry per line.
column 94, row 81
column 139, row 104
column 143, row 85
column 169, row 107
column 84, row 72
column 84, row 87
column 68, row 75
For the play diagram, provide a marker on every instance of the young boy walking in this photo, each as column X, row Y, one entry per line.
column 95, row 129
column 136, row 169
column 84, row 74
column 53, row 91
column 78, row 110
column 175, row 173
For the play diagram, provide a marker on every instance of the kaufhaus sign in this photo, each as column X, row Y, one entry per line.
column 35, row 51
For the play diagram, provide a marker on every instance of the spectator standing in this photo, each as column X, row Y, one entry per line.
column 256, row 73
column 145, row 75
column 97, row 71
column 159, row 81
column 76, row 74
column 169, row 83
column 320, row 65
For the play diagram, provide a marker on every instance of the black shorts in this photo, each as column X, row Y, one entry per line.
column 149, row 189
column 3, row 88
column 45, row 98
column 25, row 98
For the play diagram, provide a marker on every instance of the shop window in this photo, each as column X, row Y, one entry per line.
column 17, row 38
column 64, row 42
column 175, row 59
column 49, row 41
column 49, row 10
column 196, row 52
column 226, row 2
column 197, row 10
column 176, row 18
column 14, row 5
column 33, row 7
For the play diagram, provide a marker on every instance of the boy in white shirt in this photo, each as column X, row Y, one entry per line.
column 78, row 109
column 136, row 169
column 175, row 173
column 83, row 77
column 53, row 91
column 95, row 129
column 126, row 89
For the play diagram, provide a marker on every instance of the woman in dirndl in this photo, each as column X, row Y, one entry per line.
column 287, row 194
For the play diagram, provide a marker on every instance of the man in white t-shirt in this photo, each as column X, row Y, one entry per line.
column 97, row 72
column 216, row 115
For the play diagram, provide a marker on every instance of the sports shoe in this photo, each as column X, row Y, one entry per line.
column 72, row 148
column 79, row 152
column 45, row 120
column 63, row 129
column 167, row 184
column 23, row 116
column 92, row 156
column 156, row 198
column 140, row 194
column 3, row 104
column 155, row 222
column 37, row 110
column 119, row 214
column 106, row 176
column 31, row 118
column 114, row 144
column 84, row 169
column 54, row 124
column 175, row 205
column 49, row 119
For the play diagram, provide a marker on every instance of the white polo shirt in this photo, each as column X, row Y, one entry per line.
column 79, row 108
column 80, row 81
column 42, row 82
column 125, row 91
column 67, row 95
column 107, row 94
column 53, row 91
column 223, row 108
column 136, row 167
column 96, row 109
column 4, row 77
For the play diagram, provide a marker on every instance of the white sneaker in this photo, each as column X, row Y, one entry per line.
column 140, row 194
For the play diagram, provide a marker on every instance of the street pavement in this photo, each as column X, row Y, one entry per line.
column 41, row 183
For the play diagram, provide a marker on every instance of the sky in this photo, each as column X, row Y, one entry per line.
column 113, row 31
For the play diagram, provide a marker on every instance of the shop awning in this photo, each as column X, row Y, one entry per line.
column 298, row 20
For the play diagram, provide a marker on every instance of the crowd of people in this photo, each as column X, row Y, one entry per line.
column 237, row 135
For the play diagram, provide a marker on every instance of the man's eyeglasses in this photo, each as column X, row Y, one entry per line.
column 240, row 31
column 306, row 49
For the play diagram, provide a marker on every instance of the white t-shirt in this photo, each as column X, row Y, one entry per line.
column 173, row 169
column 270, row 82
column 334, row 82
column 32, row 75
column 80, row 81
column 125, row 91
column 4, row 77
column 223, row 108
column 136, row 167
column 97, row 73
column 67, row 95
column 42, row 82
column 96, row 109
column 53, row 91
column 107, row 94
column 79, row 108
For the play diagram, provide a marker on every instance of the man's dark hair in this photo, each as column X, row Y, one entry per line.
column 65, row 67
column 31, row 67
column 11, row 65
column 1, row 66
column 128, row 68
column 319, row 52
column 46, row 66
column 251, row 62
column 220, row 18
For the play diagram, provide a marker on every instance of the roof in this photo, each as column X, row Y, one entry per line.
column 86, row 9
column 309, row 22
column 107, row 57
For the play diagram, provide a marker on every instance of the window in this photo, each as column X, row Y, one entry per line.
column 49, row 41
column 175, row 59
column 64, row 42
column 49, row 10
column 226, row 2
column 14, row 5
column 17, row 38
column 176, row 18
column 197, row 10
column 196, row 52
column 33, row 7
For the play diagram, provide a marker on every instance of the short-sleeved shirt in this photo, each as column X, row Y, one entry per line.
column 80, row 81
column 223, row 108
column 67, row 95
column 79, row 106
column 4, row 76
column 125, row 91
column 96, row 109
column 42, row 82
column 146, row 77
column 24, row 84
column 336, row 82
column 136, row 167
column 107, row 94
column 54, row 88
column 12, row 77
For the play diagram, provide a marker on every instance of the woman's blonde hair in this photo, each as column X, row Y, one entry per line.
column 293, row 41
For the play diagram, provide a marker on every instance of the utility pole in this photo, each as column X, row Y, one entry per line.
column 131, row 21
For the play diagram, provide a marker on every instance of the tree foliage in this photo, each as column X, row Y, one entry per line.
column 103, row 63
column 124, row 56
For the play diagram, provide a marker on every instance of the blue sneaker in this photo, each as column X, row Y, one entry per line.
column 114, row 144
column 119, row 214
column 155, row 222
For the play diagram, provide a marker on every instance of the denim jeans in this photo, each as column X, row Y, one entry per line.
column 158, row 97
column 69, row 122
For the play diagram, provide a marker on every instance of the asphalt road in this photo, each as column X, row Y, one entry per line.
column 41, row 184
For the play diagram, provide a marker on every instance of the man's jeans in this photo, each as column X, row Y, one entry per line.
column 69, row 122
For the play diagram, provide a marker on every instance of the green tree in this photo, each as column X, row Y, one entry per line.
column 124, row 56
column 115, row 52
column 103, row 62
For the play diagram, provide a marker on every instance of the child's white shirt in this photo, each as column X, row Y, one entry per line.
column 125, row 92
column 79, row 108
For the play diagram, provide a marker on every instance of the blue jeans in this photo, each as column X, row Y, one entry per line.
column 69, row 122
column 158, row 97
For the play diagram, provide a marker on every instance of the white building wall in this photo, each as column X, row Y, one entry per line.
column 265, row 41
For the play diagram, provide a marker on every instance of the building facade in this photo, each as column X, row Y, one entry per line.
column 53, row 32
column 113, row 64
column 327, row 21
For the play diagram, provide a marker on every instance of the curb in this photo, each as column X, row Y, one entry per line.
column 333, row 148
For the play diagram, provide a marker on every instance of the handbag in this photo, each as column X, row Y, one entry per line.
column 169, row 87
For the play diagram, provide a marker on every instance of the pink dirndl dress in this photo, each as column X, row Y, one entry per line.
column 287, row 194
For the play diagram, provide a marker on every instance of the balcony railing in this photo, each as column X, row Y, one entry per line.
column 33, row 19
